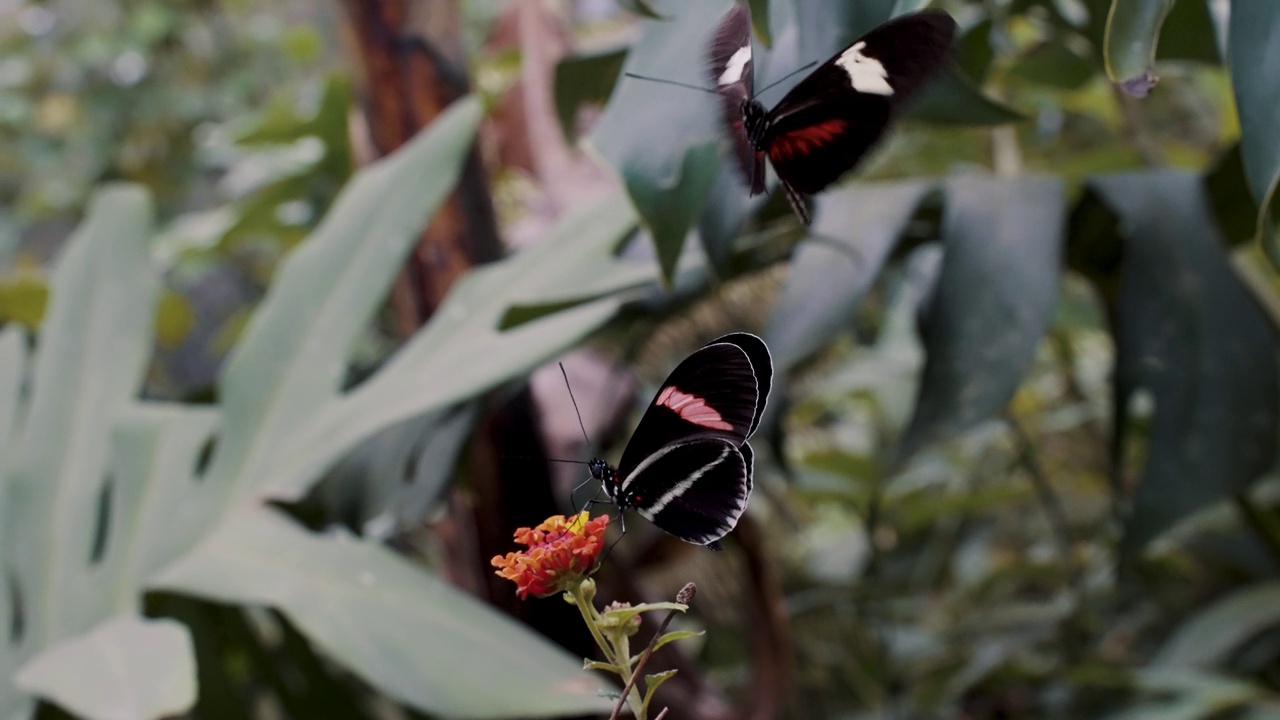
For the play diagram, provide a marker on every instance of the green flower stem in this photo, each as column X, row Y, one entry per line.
column 592, row 618
column 617, row 649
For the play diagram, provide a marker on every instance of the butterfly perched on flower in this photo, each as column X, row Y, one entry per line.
column 825, row 124
column 688, row 467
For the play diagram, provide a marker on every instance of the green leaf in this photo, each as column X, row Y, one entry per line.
column 760, row 20
column 1210, row 636
column 675, row 635
column 1133, row 32
column 952, row 99
column 974, row 51
column 464, row 340
column 673, row 209
column 993, row 302
column 95, row 345
column 397, row 476
column 335, row 281
column 357, row 600
column 663, row 140
column 584, row 79
column 127, row 668
column 1188, row 33
column 860, row 225
column 1233, row 205
column 1187, row 332
column 1253, row 34
column 1054, row 64
column 643, row 8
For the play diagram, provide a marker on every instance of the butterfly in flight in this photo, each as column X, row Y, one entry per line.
column 828, row 121
column 688, row 466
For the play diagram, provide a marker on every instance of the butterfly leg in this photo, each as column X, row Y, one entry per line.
column 797, row 202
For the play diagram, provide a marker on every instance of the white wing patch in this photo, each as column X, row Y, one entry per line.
column 866, row 74
column 733, row 71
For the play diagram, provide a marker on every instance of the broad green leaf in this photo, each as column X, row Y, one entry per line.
column 1187, row 332
column 397, row 476
column 160, row 501
column 358, row 600
column 94, row 347
column 760, row 20
column 574, row 267
column 1233, row 204
column 643, row 8
column 127, row 668
column 858, row 226
column 664, row 141
column 994, row 300
column 1209, row 637
column 952, row 99
column 583, row 79
column 295, row 348
column 1133, row 32
column 1054, row 64
column 974, row 51
column 13, row 362
column 1189, row 33
column 1253, row 56
column 1178, row 694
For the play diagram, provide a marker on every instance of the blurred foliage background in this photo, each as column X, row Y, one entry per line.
column 271, row 350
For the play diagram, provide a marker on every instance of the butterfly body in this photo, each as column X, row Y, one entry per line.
column 825, row 124
column 688, row 467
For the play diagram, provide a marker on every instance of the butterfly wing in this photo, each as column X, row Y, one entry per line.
column 829, row 120
column 719, row 391
column 732, row 74
column 695, row 490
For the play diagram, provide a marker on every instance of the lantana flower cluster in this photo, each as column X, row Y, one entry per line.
column 562, row 551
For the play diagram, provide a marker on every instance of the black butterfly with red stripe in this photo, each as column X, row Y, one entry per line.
column 828, row 121
column 688, row 467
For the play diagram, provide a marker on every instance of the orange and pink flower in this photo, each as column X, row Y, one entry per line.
column 562, row 551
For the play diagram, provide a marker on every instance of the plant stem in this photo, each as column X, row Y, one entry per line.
column 684, row 596
column 592, row 619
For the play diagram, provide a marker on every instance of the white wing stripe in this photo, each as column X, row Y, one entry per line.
column 652, row 509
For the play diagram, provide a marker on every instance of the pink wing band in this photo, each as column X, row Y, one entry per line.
column 692, row 408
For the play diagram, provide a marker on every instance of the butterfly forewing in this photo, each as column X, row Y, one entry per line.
column 829, row 120
column 761, row 366
column 732, row 75
column 694, row 490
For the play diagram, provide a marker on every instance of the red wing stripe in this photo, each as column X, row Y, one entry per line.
column 692, row 408
column 806, row 140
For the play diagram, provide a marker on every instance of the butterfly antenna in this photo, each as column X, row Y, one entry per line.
column 575, row 407
column 672, row 82
column 784, row 78
column 546, row 459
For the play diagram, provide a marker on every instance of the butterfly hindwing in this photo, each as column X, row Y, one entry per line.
column 696, row 490
column 828, row 121
column 732, row 74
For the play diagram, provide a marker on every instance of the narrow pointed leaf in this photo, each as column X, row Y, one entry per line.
column 993, row 303
column 1133, row 32
column 404, row 631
